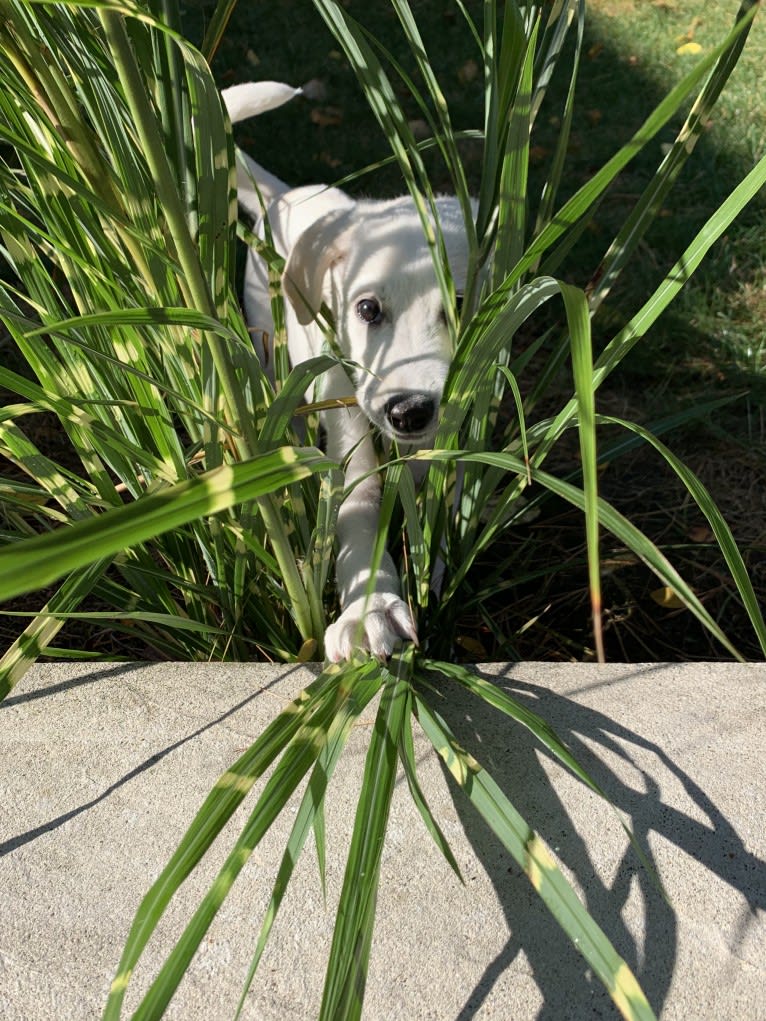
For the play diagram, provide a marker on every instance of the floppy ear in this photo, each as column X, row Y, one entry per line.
column 316, row 250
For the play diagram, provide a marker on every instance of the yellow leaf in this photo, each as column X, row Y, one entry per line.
column 701, row 533
column 667, row 597
column 471, row 645
column 689, row 49
column 307, row 651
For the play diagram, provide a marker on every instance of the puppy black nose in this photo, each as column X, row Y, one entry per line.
column 410, row 413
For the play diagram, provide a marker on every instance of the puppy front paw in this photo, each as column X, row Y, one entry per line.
column 375, row 624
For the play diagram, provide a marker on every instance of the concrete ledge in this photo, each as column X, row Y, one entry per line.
column 103, row 768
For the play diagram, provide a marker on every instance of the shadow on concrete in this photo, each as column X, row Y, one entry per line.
column 88, row 676
column 93, row 677
column 570, row 991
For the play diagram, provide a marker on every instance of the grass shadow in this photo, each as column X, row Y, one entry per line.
column 569, row 990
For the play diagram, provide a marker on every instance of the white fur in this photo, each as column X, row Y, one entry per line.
column 343, row 251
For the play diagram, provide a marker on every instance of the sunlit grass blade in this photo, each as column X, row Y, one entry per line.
column 328, row 691
column 352, row 937
column 37, row 562
column 679, row 275
column 445, row 134
column 519, row 713
column 38, row 635
column 409, row 764
column 291, row 396
column 417, row 552
column 578, row 324
column 493, row 695
column 556, row 170
column 533, row 857
column 388, row 111
column 610, row 519
column 514, row 174
column 577, row 207
column 364, row 682
column 681, row 272
column 718, row 525
column 297, row 759
column 647, row 207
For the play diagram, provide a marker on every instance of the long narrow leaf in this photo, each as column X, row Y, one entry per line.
column 38, row 562
column 352, row 938
column 217, row 809
column 365, row 682
column 533, row 857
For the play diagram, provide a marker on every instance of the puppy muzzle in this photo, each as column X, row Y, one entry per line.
column 410, row 414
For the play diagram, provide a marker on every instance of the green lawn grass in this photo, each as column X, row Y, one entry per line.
column 638, row 52
column 632, row 59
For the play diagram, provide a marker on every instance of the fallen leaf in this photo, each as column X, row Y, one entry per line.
column 419, row 129
column 689, row 49
column 701, row 533
column 667, row 598
column 471, row 645
column 468, row 72
column 326, row 116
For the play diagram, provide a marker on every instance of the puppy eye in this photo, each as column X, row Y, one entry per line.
column 369, row 311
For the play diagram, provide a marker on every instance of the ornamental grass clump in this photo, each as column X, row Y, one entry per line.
column 178, row 495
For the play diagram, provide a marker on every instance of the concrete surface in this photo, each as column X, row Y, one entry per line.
column 102, row 768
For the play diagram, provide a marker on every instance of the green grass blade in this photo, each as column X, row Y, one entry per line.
column 419, row 556
column 649, row 204
column 578, row 324
column 38, row 635
column 217, row 27
column 514, row 174
column 494, row 696
column 575, row 208
column 388, row 111
column 352, row 938
column 37, row 562
column 365, row 681
column 409, row 764
column 217, row 809
column 680, row 274
column 554, row 176
column 297, row 759
column 720, row 528
column 611, row 519
column 533, row 857
column 682, row 271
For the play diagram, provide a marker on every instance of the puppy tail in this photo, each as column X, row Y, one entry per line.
column 256, row 187
column 253, row 98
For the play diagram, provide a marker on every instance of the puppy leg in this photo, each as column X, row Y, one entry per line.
column 373, row 617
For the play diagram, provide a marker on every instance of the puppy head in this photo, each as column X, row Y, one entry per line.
column 372, row 265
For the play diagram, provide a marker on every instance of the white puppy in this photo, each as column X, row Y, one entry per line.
column 370, row 262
